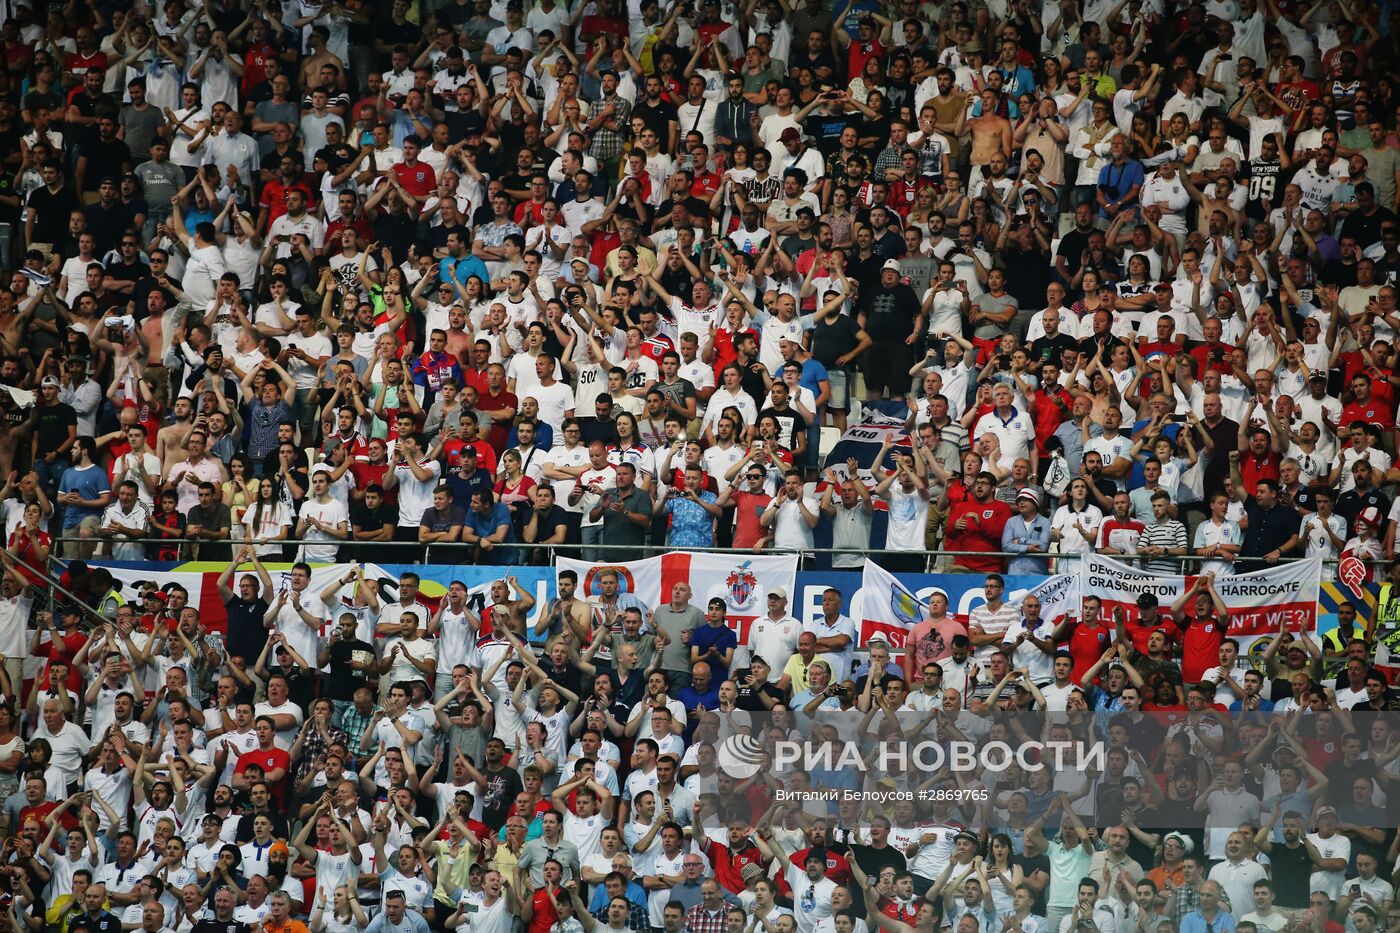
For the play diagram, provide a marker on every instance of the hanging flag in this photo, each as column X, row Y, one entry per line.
column 887, row 607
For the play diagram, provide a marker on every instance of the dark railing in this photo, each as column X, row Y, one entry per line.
column 451, row 552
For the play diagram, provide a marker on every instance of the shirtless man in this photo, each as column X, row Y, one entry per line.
column 991, row 132
column 567, row 615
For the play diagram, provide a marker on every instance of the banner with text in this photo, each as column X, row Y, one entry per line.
column 1260, row 602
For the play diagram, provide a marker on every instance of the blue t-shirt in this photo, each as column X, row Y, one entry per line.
column 467, row 267
column 813, row 375
column 412, row 922
column 1117, row 180
column 486, row 525
column 89, row 483
column 463, row 488
column 719, row 637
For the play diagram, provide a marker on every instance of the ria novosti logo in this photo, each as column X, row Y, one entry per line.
column 743, row 756
column 740, row 756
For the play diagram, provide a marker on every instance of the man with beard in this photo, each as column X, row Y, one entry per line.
column 497, row 785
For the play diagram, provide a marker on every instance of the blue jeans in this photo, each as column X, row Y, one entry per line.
column 592, row 534
column 50, row 473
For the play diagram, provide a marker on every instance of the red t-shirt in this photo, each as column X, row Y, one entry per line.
column 837, row 868
column 1370, row 411
column 274, row 196
column 1048, row 416
column 1138, row 631
column 987, row 519
column 418, row 180
column 499, row 431
column 485, row 454
column 724, row 347
column 79, row 64
column 366, row 473
column 860, row 53
column 1111, row 525
column 748, row 507
column 730, row 865
column 42, row 811
column 656, row 346
column 148, row 415
column 1086, row 645
column 1253, row 469
column 270, row 760
column 544, row 915
column 903, row 194
column 1200, row 648
column 30, row 565
column 532, row 209
column 255, row 59
column 704, row 185
column 63, row 652
column 1210, row 356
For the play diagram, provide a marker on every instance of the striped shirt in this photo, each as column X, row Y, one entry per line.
column 992, row 623
column 1169, row 534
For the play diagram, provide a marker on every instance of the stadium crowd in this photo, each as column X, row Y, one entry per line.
column 334, row 281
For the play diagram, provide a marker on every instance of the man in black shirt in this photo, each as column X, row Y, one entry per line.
column 502, row 783
column 890, row 313
column 659, row 114
column 395, row 29
column 1070, row 252
column 1273, row 529
column 49, row 209
column 349, row 659
column 102, row 155
column 753, row 686
column 95, row 919
column 126, row 269
column 373, row 520
column 1363, row 496
column 837, row 342
column 1050, row 347
column 246, row 633
column 55, row 429
column 225, row 900
column 755, row 380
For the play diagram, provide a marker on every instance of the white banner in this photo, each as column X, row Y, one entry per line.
column 743, row 581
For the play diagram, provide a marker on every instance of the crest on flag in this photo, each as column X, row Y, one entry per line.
column 742, row 584
column 906, row 606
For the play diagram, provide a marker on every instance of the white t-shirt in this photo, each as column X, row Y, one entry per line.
column 415, row 495
column 332, row 513
column 555, row 402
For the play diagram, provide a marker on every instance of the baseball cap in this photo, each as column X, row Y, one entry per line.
column 1326, row 811
column 1163, row 286
column 891, row 264
column 789, row 135
column 1147, row 599
column 779, row 592
column 50, row 381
